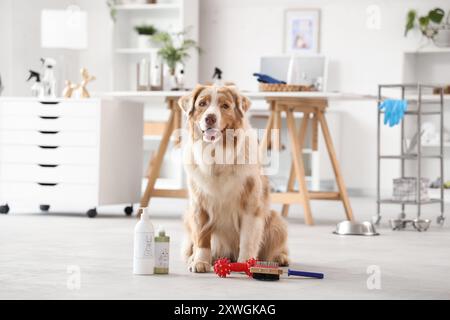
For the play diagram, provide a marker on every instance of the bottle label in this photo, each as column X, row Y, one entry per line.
column 161, row 255
column 144, row 245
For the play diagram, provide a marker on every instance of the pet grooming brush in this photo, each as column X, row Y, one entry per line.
column 269, row 271
column 223, row 267
column 266, row 271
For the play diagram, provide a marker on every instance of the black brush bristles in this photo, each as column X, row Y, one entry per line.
column 266, row 271
column 266, row 277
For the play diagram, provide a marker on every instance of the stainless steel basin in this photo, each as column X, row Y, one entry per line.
column 418, row 224
column 365, row 228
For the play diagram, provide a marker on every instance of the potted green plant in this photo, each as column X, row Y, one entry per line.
column 430, row 25
column 112, row 9
column 146, row 32
column 174, row 51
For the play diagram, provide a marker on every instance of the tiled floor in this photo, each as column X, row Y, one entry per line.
column 40, row 255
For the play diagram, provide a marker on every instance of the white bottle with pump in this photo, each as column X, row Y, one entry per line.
column 144, row 245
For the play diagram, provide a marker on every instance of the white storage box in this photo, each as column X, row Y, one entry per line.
column 405, row 189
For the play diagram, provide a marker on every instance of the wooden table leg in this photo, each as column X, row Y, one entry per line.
column 265, row 143
column 335, row 165
column 315, row 133
column 177, row 121
column 299, row 167
column 291, row 181
column 157, row 161
column 276, row 145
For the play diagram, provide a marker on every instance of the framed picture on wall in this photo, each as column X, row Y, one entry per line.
column 301, row 31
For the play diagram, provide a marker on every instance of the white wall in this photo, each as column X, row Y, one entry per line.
column 20, row 48
column 236, row 33
column 25, row 42
column 98, row 57
column 5, row 48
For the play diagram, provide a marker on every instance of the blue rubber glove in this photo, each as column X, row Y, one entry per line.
column 387, row 106
column 399, row 112
column 402, row 106
column 264, row 78
column 395, row 114
column 394, row 110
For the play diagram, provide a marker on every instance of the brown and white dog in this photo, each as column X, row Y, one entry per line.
column 229, row 212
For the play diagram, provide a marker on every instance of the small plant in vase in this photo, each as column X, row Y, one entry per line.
column 145, row 32
column 174, row 51
column 432, row 26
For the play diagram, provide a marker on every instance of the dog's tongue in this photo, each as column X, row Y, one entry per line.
column 211, row 134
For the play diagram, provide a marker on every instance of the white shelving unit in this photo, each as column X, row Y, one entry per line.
column 428, row 49
column 168, row 16
column 172, row 16
column 148, row 7
column 435, row 193
column 435, row 145
column 139, row 51
column 430, row 65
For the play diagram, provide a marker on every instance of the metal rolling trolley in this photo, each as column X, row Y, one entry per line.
column 422, row 109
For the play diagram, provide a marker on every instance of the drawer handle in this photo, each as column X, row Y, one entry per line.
column 48, row 118
column 48, row 165
column 47, row 184
column 49, row 132
column 49, row 102
column 48, row 147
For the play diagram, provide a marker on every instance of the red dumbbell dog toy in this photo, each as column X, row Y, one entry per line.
column 223, row 267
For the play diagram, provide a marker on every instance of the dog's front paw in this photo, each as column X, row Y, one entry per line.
column 199, row 266
column 243, row 257
column 283, row 260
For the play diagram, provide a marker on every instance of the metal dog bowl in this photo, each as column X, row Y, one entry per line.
column 421, row 224
column 418, row 224
column 397, row 224
column 365, row 228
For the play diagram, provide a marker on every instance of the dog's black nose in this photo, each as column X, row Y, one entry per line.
column 210, row 119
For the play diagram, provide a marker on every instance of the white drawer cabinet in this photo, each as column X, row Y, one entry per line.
column 60, row 137
column 49, row 123
column 40, row 154
column 58, row 194
column 52, row 173
column 70, row 153
column 57, row 108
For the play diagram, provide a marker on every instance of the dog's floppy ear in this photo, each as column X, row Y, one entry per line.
column 242, row 102
column 245, row 103
column 187, row 102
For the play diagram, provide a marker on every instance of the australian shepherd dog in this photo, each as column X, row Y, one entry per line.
column 229, row 211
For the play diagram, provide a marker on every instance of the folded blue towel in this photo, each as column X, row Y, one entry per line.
column 264, row 78
column 394, row 111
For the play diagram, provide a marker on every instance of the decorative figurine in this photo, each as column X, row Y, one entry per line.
column 86, row 78
column 69, row 89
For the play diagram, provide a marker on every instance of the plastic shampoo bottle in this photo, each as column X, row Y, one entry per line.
column 144, row 245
